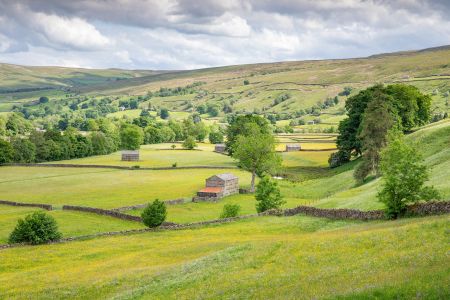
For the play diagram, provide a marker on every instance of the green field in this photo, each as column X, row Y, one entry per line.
column 161, row 155
column 71, row 223
column 303, row 257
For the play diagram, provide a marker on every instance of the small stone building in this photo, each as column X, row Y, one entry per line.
column 218, row 186
column 130, row 155
column 293, row 147
column 220, row 148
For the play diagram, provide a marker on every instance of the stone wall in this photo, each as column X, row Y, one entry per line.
column 12, row 203
column 140, row 206
column 105, row 212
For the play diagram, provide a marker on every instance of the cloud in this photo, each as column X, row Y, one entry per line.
column 71, row 32
column 183, row 34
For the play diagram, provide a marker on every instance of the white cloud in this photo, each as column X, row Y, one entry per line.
column 72, row 32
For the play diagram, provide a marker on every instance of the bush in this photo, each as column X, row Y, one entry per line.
column 37, row 228
column 338, row 158
column 230, row 211
column 404, row 176
column 268, row 195
column 189, row 143
column 246, row 82
column 154, row 214
column 216, row 137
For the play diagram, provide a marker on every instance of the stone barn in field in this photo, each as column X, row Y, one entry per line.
column 130, row 155
column 293, row 147
column 220, row 148
column 218, row 186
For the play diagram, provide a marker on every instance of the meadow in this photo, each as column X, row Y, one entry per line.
column 303, row 257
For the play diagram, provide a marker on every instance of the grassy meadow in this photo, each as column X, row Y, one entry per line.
column 303, row 257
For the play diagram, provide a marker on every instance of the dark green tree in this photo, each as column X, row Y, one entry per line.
column 24, row 150
column 131, row 137
column 6, row 152
column 37, row 228
column 244, row 125
column 154, row 214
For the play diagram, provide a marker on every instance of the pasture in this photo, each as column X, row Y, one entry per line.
column 304, row 257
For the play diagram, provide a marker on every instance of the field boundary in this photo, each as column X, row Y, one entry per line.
column 103, row 212
column 139, row 206
column 418, row 209
column 39, row 205
column 44, row 165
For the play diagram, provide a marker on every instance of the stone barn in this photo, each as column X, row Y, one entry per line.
column 130, row 155
column 218, row 186
column 220, row 148
column 293, row 147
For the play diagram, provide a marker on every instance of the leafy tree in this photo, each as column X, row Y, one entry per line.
column 189, row 143
column 131, row 137
column 246, row 82
column 134, row 104
column 6, row 152
column 37, row 228
column 244, row 125
column 256, row 154
column 412, row 107
column 2, row 126
column 216, row 137
column 404, row 175
column 201, row 109
column 164, row 113
column 213, row 110
column 43, row 99
column 268, row 195
column 379, row 117
column 230, row 211
column 24, row 150
column 154, row 214
column 167, row 134
column 99, row 143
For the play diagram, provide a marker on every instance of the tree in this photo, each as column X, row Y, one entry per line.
column 412, row 107
column 244, row 125
column 154, row 214
column 404, row 175
column 164, row 113
column 37, row 228
column 43, row 99
column 216, row 137
column 268, row 195
column 189, row 143
column 6, row 152
column 256, row 154
column 131, row 137
column 24, row 150
column 379, row 117
column 230, row 211
column 246, row 82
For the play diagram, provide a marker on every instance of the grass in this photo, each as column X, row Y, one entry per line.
column 103, row 188
column 70, row 223
column 303, row 257
column 153, row 156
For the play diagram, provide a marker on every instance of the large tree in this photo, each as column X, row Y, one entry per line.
column 411, row 105
column 379, row 117
column 131, row 137
column 244, row 126
column 256, row 153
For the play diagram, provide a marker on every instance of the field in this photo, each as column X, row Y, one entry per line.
column 263, row 257
column 303, row 257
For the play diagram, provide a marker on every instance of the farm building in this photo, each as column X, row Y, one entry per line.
column 220, row 148
column 130, row 155
column 218, row 186
column 293, row 147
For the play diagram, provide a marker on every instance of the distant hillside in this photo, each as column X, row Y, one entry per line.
column 270, row 87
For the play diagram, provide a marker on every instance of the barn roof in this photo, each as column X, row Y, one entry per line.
column 224, row 176
column 211, row 190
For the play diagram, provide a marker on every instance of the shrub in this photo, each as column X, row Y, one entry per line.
column 37, row 228
column 154, row 214
column 189, row 143
column 268, row 195
column 174, row 165
column 173, row 147
column 338, row 158
column 230, row 211
column 246, row 82
column 216, row 137
column 404, row 175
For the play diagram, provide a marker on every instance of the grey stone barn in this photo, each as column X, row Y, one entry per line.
column 220, row 148
column 218, row 186
column 130, row 155
column 293, row 147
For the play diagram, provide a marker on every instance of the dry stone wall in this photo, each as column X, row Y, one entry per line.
column 12, row 203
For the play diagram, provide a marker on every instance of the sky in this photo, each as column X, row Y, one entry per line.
column 188, row 34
